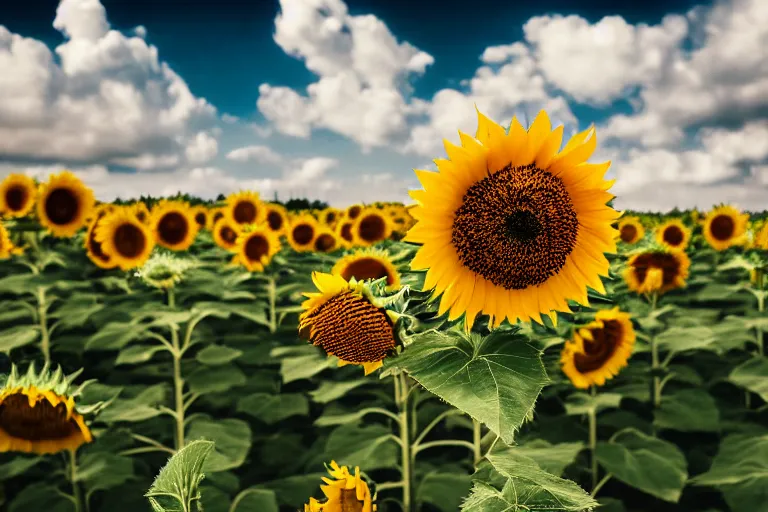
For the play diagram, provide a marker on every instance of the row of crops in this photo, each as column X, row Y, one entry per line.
column 509, row 342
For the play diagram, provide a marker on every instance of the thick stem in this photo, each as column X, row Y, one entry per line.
column 77, row 496
column 405, row 438
column 476, row 431
column 656, row 389
column 760, row 309
column 42, row 316
column 178, row 381
column 272, row 295
column 593, row 441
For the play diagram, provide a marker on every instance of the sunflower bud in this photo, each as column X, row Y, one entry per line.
column 163, row 270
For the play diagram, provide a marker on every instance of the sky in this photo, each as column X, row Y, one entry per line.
column 340, row 101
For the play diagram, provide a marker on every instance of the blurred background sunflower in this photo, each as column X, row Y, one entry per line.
column 173, row 225
column 64, row 204
column 17, row 195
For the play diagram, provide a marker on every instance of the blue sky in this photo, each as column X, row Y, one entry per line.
column 361, row 92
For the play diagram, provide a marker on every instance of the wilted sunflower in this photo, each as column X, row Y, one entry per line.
column 599, row 350
column 173, row 225
column 302, row 233
column 365, row 264
column 93, row 247
column 371, row 226
column 17, row 195
column 326, row 240
column 657, row 270
column 347, row 321
column 345, row 493
column 126, row 240
column 510, row 227
column 256, row 246
column 353, row 211
column 225, row 233
column 7, row 247
column 64, row 204
column 674, row 234
column 276, row 218
column 200, row 214
column 724, row 227
column 246, row 208
column 344, row 231
column 38, row 413
column 631, row 230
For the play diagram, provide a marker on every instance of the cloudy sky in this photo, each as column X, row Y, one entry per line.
column 340, row 101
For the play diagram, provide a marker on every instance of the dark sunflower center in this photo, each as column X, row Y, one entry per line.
column 62, row 206
column 256, row 248
column 722, row 227
column 275, row 221
column 667, row 263
column 16, row 198
column 515, row 227
column 244, row 212
column 673, row 235
column 348, row 501
column 628, row 233
column 598, row 351
column 217, row 216
column 129, row 240
column 303, row 234
column 367, row 268
column 39, row 423
column 325, row 243
column 346, row 231
column 349, row 327
column 354, row 211
column 201, row 219
column 372, row 228
column 173, row 228
column 141, row 215
column 228, row 234
column 330, row 216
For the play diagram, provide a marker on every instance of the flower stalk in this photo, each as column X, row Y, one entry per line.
column 401, row 399
column 592, row 415
column 178, row 381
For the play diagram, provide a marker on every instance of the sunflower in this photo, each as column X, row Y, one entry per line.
column 761, row 237
column 673, row 234
column 367, row 264
column 17, row 195
column 38, row 413
column 330, row 216
column 326, row 240
column 7, row 247
column 510, row 227
column 346, row 321
column 724, row 227
column 93, row 247
column 246, row 208
column 255, row 248
column 200, row 214
column 141, row 211
column 225, row 233
column 657, row 270
column 276, row 218
column 353, row 211
column 163, row 270
column 126, row 240
column 344, row 232
column 345, row 493
column 599, row 350
column 64, row 204
column 302, row 233
column 216, row 215
column 371, row 226
column 173, row 225
column 631, row 230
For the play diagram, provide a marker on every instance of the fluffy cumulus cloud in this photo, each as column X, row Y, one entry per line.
column 260, row 154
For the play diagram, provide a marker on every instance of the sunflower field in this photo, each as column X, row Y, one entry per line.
column 508, row 342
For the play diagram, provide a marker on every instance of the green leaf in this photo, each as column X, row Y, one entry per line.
column 254, row 499
column 232, row 438
column 114, row 336
column 688, row 410
column 444, row 490
column 330, row 391
column 752, row 374
column 553, row 458
column 140, row 408
column 176, row 486
column 274, row 408
column 76, row 311
column 215, row 379
column 18, row 466
column 679, row 339
column 306, row 366
column 101, row 471
column 18, row 336
column 41, row 496
column 371, row 447
column 646, row 463
column 494, row 379
column 582, row 403
column 293, row 491
column 215, row 355
column 252, row 311
column 136, row 354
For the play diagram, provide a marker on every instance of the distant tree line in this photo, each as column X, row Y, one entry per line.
column 293, row 204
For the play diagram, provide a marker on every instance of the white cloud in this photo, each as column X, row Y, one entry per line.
column 229, row 118
column 261, row 154
column 202, row 148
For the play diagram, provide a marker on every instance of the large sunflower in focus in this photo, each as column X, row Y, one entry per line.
column 126, row 240
column 724, row 227
column 17, row 195
column 346, row 321
column 255, row 248
column 371, row 226
column 173, row 225
column 7, row 247
column 631, row 230
column 673, row 234
column 93, row 247
column 302, row 232
column 344, row 492
column 64, row 204
column 276, row 218
column 368, row 264
column 599, row 350
column 511, row 227
column 657, row 271
column 225, row 233
column 246, row 208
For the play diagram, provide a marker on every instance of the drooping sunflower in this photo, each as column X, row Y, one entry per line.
column 346, row 321
column 225, row 233
column 200, row 214
column 17, row 195
column 657, row 270
column 631, row 230
column 674, row 234
column 344, row 231
column 255, row 248
column 245, row 207
column 599, row 350
column 345, row 493
column 302, row 233
column 126, row 240
column 276, row 218
column 93, row 247
column 173, row 225
column 365, row 264
column 353, row 211
column 38, row 413
column 724, row 227
column 326, row 240
column 7, row 247
column 371, row 226
column 64, row 204
column 511, row 227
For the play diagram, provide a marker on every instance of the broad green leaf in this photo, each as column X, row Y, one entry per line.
column 18, row 466
column 215, row 355
column 328, row 419
column 215, row 379
column 330, row 391
column 553, row 458
column 444, row 490
column 646, row 463
column 18, row 336
column 679, row 339
column 752, row 374
column 101, row 471
column 255, row 500
column 583, row 403
column 76, row 311
column 495, row 379
column 304, row 367
column 688, row 410
column 114, row 336
column 274, row 408
column 136, row 354
column 294, row 491
column 232, row 438
column 252, row 311
column 41, row 496
column 213, row 499
column 370, row 447
column 176, row 486
column 140, row 408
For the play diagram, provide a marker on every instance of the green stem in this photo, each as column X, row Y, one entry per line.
column 593, row 441
column 178, row 381
column 272, row 296
column 405, row 439
column 656, row 389
column 76, row 493
column 476, row 431
column 440, row 417
column 760, row 310
column 600, row 484
column 444, row 442
column 388, row 485
column 42, row 315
